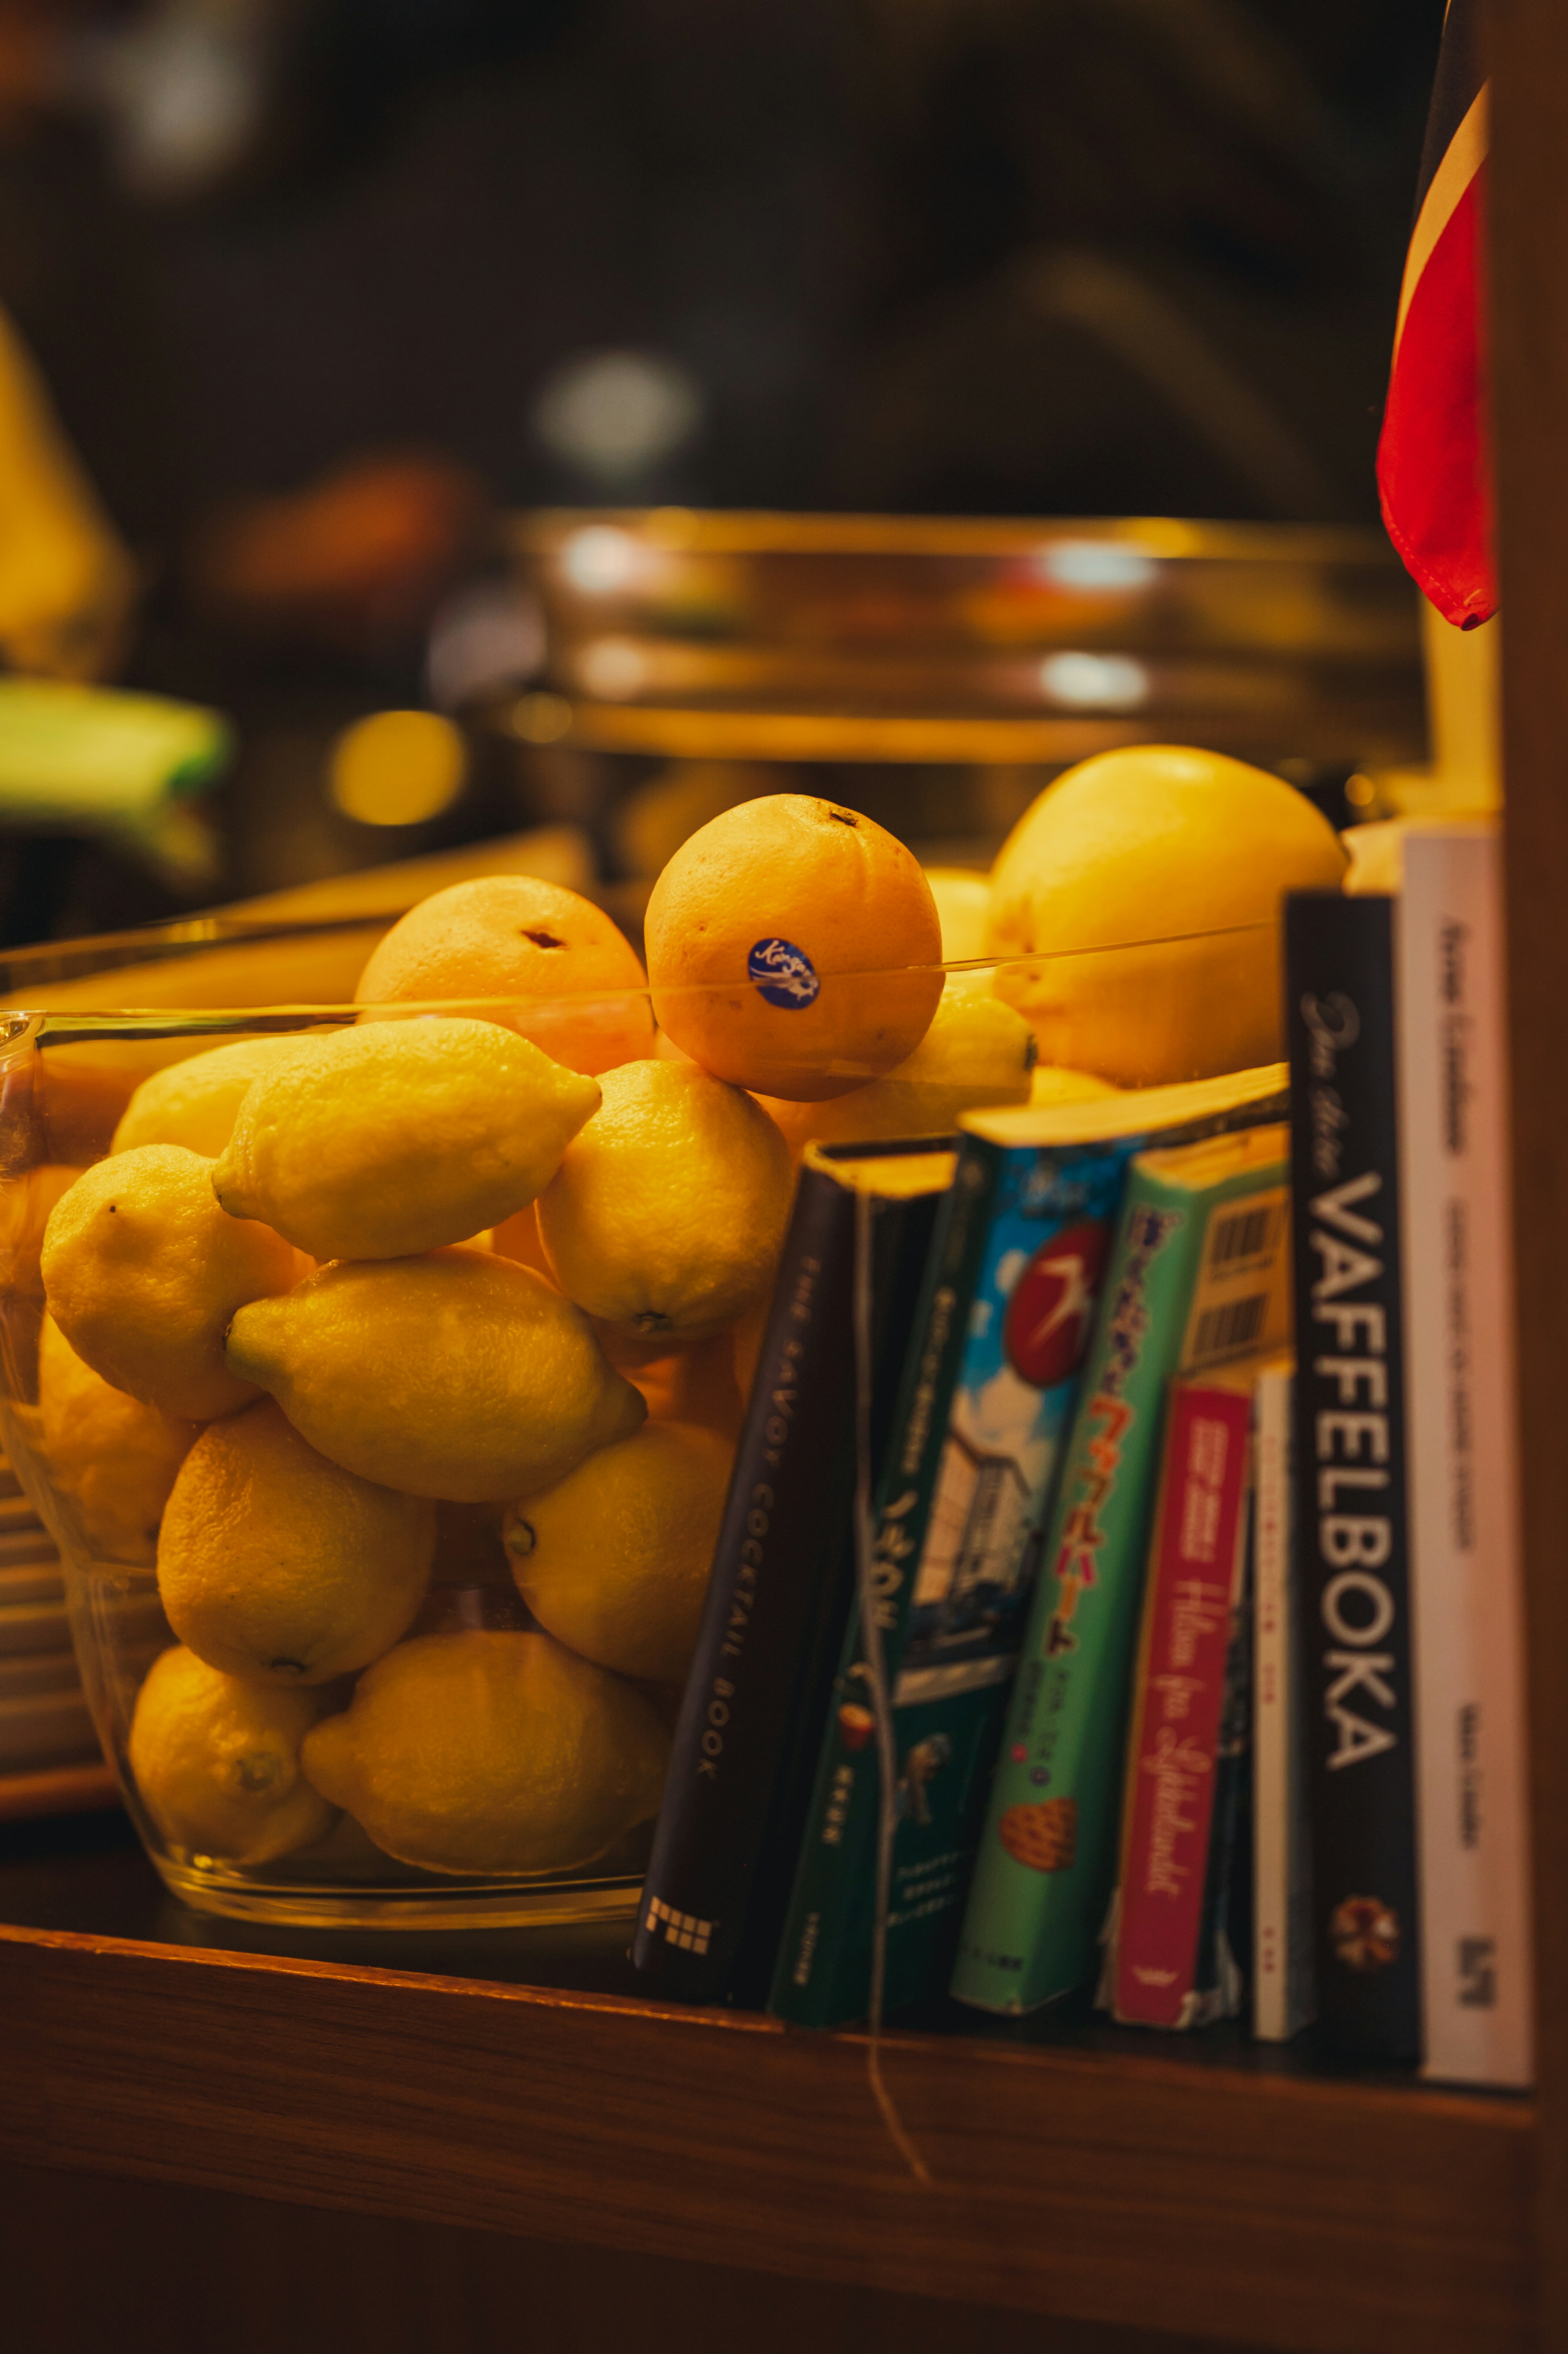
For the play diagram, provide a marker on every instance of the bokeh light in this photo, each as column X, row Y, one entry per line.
column 1086, row 682
column 397, row 767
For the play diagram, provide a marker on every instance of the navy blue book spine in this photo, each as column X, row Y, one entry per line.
column 751, row 1717
column 1354, row 1643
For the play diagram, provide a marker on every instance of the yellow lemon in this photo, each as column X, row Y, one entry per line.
column 193, row 1103
column 1186, row 850
column 143, row 1272
column 977, row 1052
column 613, row 1561
column 401, row 1136
column 667, row 1213
column 490, row 1752
column 534, row 955
column 963, row 908
column 1050, row 1084
column 217, row 1762
column 113, row 1458
column 457, row 1374
column 280, row 1568
column 755, row 926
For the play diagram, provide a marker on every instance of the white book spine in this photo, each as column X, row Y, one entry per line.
column 1282, row 1928
column 1466, row 1603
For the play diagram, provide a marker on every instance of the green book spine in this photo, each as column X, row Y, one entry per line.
column 831, row 1905
column 1048, row 1857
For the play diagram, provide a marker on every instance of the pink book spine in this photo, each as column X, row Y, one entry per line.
column 1170, row 1786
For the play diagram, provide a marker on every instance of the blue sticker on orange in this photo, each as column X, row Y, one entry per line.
column 784, row 974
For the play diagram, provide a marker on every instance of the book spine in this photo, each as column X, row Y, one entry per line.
column 774, row 1555
column 903, row 1231
column 829, row 1912
column 1047, row 1855
column 1460, row 1425
column 1177, row 1705
column 1353, row 1599
column 1282, row 1887
column 1225, row 1929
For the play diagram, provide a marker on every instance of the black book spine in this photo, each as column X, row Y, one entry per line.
column 902, row 1255
column 779, row 1590
column 1354, row 1642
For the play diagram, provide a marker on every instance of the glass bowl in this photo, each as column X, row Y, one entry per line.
column 88, row 1022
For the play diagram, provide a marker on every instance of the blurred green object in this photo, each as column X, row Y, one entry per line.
column 93, row 760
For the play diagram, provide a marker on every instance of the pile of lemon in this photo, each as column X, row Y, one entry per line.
column 494, row 1260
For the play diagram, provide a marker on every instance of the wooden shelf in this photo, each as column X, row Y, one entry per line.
column 57, row 1790
column 1129, row 2182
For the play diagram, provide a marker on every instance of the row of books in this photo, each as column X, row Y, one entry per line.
column 1029, row 1662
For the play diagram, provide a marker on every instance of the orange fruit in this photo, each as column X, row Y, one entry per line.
column 698, row 1386
column 531, row 955
column 779, row 938
column 25, row 1202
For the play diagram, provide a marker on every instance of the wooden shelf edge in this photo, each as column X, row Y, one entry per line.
column 1505, row 2113
column 57, row 1790
column 1326, row 2216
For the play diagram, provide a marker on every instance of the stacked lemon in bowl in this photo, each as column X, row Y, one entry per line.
column 307, row 1304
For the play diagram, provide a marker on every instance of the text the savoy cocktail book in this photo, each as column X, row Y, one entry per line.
column 749, row 1728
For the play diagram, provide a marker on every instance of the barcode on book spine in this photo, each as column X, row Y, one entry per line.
column 1243, row 1234
column 1232, row 1324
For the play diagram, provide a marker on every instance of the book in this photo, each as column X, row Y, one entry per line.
column 1282, row 1995
column 1353, row 1586
column 1168, row 1958
column 961, row 1520
column 746, row 1736
column 1197, row 1276
column 1225, row 1926
column 1466, row 1574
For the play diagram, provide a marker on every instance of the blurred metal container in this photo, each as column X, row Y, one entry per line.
column 995, row 651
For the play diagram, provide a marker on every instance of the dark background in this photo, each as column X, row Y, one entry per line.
column 844, row 221
column 1092, row 257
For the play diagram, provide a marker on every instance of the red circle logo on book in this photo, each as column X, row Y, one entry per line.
column 1053, row 1305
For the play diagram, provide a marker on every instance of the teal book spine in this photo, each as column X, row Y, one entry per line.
column 830, row 1908
column 1046, row 1862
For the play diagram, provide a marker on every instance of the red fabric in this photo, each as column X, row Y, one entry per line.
column 1432, row 472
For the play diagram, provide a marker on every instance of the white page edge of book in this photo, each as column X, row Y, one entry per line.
column 1279, row 2009
column 1467, row 1617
